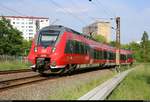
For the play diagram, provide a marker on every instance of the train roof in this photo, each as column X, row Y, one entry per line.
column 63, row 28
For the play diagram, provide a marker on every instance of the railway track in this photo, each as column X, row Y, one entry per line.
column 13, row 83
column 14, row 71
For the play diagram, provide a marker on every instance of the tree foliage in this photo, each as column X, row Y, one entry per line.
column 145, row 46
column 11, row 40
column 99, row 38
column 141, row 50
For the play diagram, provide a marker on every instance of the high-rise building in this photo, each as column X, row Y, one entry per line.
column 99, row 27
column 28, row 25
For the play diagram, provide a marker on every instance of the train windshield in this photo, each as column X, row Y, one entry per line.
column 48, row 38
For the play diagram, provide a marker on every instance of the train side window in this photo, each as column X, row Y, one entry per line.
column 110, row 56
column 102, row 54
column 96, row 54
column 85, row 50
column 67, row 49
column 82, row 48
column 105, row 55
column 77, row 49
column 114, row 56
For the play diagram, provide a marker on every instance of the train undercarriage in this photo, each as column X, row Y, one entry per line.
column 42, row 66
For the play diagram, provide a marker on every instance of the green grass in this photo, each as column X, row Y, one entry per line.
column 77, row 91
column 136, row 85
column 13, row 65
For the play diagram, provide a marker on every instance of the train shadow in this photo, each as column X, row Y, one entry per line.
column 78, row 71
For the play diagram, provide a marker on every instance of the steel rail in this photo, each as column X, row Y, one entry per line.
column 12, row 83
column 14, row 71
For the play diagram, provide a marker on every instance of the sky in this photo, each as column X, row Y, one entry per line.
column 134, row 14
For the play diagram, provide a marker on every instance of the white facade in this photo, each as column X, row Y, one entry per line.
column 28, row 25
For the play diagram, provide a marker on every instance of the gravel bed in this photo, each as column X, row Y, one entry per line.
column 42, row 90
column 16, row 75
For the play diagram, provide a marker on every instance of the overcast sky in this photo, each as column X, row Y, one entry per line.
column 135, row 14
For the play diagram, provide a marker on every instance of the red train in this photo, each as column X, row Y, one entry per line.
column 60, row 49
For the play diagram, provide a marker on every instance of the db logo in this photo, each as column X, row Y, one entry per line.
column 43, row 50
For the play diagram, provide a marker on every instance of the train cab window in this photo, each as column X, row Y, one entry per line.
column 48, row 38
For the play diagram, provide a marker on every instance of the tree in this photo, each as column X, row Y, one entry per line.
column 10, row 38
column 26, row 47
column 112, row 43
column 99, row 38
column 144, row 45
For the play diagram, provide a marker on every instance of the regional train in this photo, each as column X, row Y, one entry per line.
column 62, row 50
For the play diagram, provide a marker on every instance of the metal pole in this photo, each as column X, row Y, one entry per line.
column 37, row 26
column 118, row 41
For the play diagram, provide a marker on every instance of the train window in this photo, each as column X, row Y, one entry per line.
column 97, row 54
column 77, row 48
column 109, row 55
column 48, row 37
column 87, row 48
column 101, row 54
column 122, row 57
column 105, row 55
column 82, row 48
column 68, row 47
column 114, row 56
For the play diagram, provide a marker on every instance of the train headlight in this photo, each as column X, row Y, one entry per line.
column 53, row 50
column 35, row 49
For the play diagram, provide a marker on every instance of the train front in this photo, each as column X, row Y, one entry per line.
column 42, row 48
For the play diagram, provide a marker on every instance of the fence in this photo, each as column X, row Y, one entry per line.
column 5, row 58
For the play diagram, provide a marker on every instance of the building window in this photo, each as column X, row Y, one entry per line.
column 30, row 38
column 17, row 22
column 30, row 22
column 22, row 22
column 30, row 26
column 30, row 30
column 13, row 22
column 22, row 26
column 30, row 33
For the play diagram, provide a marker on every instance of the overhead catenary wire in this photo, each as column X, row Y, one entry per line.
column 67, row 11
column 102, row 7
column 79, row 5
column 12, row 10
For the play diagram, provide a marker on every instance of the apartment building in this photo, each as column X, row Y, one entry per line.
column 99, row 27
column 28, row 25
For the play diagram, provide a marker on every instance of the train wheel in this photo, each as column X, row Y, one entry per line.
column 71, row 68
